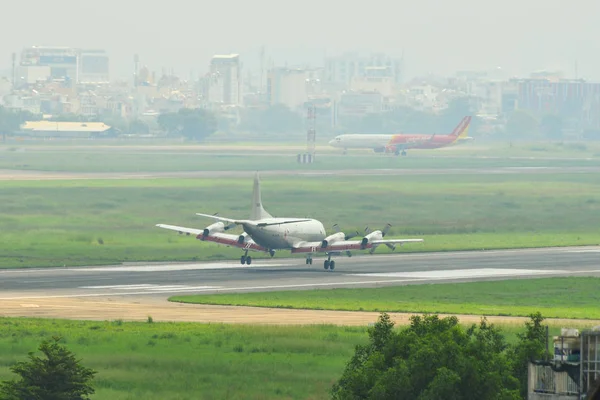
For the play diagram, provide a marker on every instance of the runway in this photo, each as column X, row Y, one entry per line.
column 164, row 280
column 23, row 175
column 134, row 291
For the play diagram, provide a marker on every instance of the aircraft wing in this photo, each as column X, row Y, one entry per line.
column 181, row 229
column 221, row 238
column 345, row 245
column 233, row 241
column 395, row 241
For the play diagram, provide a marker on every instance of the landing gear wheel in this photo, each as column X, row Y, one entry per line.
column 403, row 153
column 310, row 261
column 243, row 260
column 248, row 260
column 326, row 264
column 331, row 265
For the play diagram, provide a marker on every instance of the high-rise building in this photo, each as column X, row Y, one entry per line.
column 225, row 80
column 76, row 65
column 93, row 66
column 343, row 69
column 62, row 61
column 288, row 87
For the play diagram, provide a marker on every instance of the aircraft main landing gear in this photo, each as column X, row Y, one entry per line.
column 309, row 260
column 246, row 259
column 329, row 264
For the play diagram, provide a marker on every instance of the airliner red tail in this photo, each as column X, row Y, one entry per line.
column 462, row 129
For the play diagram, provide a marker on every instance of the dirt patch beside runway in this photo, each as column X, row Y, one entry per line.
column 138, row 309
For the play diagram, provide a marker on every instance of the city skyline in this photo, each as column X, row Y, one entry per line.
column 435, row 38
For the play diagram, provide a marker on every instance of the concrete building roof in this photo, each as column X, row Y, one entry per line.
column 53, row 126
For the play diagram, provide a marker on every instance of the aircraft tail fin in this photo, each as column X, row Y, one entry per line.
column 258, row 212
column 462, row 129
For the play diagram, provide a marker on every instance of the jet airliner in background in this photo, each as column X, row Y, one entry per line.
column 399, row 143
column 263, row 232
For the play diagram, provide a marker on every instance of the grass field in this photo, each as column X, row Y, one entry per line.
column 55, row 223
column 185, row 158
column 177, row 360
column 208, row 361
column 553, row 297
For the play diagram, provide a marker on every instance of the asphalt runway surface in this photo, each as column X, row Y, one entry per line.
column 135, row 291
column 163, row 280
column 21, row 175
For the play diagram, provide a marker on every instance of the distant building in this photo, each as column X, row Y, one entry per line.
column 64, row 63
column 65, row 129
column 288, row 87
column 375, row 79
column 343, row 69
column 575, row 99
column 224, row 82
column 93, row 67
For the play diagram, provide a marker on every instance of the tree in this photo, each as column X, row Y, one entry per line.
column 434, row 358
column 194, row 124
column 521, row 123
column 530, row 346
column 275, row 119
column 551, row 126
column 10, row 121
column 57, row 375
column 138, row 126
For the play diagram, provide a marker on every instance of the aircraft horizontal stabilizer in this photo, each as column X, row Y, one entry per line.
column 261, row 224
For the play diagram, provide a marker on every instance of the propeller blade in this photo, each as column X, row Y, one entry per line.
column 336, row 227
column 348, row 237
column 373, row 248
column 385, row 230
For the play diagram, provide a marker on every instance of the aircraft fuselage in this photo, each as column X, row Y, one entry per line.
column 283, row 236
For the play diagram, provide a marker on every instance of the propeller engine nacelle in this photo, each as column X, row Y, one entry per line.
column 333, row 238
column 375, row 235
column 214, row 228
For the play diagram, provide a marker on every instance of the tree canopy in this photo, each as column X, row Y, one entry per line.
column 195, row 124
column 10, row 121
column 437, row 358
column 57, row 375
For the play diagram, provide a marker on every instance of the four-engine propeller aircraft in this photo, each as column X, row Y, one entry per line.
column 263, row 232
column 399, row 143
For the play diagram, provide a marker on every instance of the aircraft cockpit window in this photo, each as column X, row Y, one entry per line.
column 337, row 139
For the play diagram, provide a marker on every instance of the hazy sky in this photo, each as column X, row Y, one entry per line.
column 437, row 36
